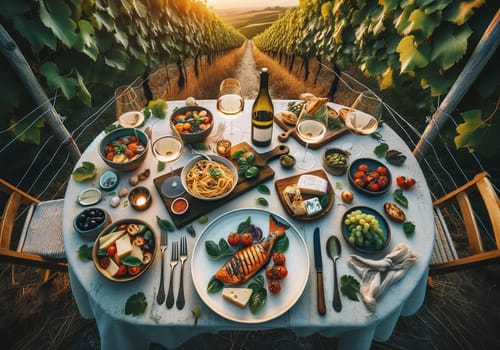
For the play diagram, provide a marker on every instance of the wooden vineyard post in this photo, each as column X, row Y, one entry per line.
column 484, row 50
column 13, row 55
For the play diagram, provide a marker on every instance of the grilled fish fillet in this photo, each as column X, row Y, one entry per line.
column 246, row 262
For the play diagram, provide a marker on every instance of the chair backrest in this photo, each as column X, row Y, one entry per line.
column 469, row 205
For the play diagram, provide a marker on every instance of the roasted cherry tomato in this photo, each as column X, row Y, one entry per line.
column 279, row 259
column 360, row 182
column 104, row 262
column 111, row 251
column 358, row 175
column 382, row 170
column 122, row 270
column 134, row 270
column 374, row 187
column 274, row 286
column 233, row 239
column 405, row 183
column 276, row 272
column 363, row 168
column 246, row 239
column 132, row 138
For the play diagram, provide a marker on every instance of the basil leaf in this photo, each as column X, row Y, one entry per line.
column 324, row 200
column 237, row 155
column 214, row 285
column 400, row 198
column 130, row 260
column 409, row 228
column 244, row 225
column 349, row 287
column 263, row 189
column 262, row 201
column 281, row 244
column 252, row 171
column 165, row 224
column 395, row 157
column 257, row 299
column 381, row 150
column 136, row 304
column 257, row 282
column 85, row 252
column 212, row 249
column 160, row 166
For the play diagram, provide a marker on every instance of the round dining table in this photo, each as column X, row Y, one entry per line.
column 355, row 326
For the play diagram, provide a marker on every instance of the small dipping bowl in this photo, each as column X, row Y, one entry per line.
column 287, row 161
column 179, row 206
column 140, row 198
column 90, row 222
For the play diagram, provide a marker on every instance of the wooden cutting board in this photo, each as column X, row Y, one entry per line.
column 282, row 183
column 198, row 207
column 289, row 130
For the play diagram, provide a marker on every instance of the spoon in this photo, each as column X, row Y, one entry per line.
column 333, row 249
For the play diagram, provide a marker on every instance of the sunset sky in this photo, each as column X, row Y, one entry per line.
column 250, row 3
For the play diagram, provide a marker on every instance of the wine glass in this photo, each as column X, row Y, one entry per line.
column 363, row 117
column 167, row 149
column 230, row 105
column 310, row 127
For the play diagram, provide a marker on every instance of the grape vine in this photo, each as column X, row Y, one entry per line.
column 395, row 41
column 72, row 44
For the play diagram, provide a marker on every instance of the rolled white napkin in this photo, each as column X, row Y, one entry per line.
column 378, row 275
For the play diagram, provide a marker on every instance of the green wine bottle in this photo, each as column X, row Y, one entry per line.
column 262, row 113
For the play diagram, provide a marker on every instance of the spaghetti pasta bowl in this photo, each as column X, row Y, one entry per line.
column 209, row 180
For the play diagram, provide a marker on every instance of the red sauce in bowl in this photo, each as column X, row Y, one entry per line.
column 179, row 206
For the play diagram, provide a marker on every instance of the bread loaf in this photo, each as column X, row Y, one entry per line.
column 293, row 198
column 394, row 212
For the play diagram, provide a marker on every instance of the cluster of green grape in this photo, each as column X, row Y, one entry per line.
column 364, row 230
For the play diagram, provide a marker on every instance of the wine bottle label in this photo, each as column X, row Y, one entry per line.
column 262, row 135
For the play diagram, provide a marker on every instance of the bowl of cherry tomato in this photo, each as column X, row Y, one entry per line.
column 369, row 176
column 124, row 149
column 194, row 123
column 124, row 250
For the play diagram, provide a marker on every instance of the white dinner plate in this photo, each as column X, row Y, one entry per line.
column 203, row 269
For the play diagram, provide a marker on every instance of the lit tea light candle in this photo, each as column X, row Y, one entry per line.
column 140, row 198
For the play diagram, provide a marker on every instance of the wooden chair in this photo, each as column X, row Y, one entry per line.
column 40, row 240
column 475, row 197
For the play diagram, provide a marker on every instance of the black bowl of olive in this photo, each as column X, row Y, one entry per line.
column 90, row 222
column 336, row 161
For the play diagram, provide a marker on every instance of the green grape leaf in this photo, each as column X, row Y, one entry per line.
column 460, row 11
column 412, row 56
column 381, row 150
column 136, row 304
column 409, row 228
column 374, row 66
column 385, row 80
column 424, row 22
column 12, row 9
column 449, row 46
column 56, row 15
column 349, row 287
column 103, row 20
column 438, row 80
column 83, row 93
column 56, row 81
column 32, row 133
column 33, row 30
column 117, row 58
column 84, row 172
column 477, row 135
column 86, row 42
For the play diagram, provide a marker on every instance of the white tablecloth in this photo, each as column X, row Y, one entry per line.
column 104, row 300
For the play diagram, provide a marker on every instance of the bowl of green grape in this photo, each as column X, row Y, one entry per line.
column 365, row 230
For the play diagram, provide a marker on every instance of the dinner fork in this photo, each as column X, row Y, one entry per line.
column 160, row 297
column 183, row 258
column 173, row 263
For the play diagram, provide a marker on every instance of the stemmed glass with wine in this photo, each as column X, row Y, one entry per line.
column 167, row 148
column 230, row 104
column 310, row 128
column 363, row 117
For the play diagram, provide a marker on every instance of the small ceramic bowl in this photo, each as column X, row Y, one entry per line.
column 114, row 137
column 179, row 206
column 196, row 133
column 336, row 161
column 287, row 161
column 90, row 222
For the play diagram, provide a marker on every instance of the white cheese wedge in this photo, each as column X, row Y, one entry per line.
column 107, row 240
column 112, row 268
column 312, row 184
column 123, row 246
column 238, row 296
column 137, row 252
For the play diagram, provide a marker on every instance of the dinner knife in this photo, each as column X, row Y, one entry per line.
column 318, row 262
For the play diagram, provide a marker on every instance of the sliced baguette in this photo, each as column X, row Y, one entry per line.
column 293, row 199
